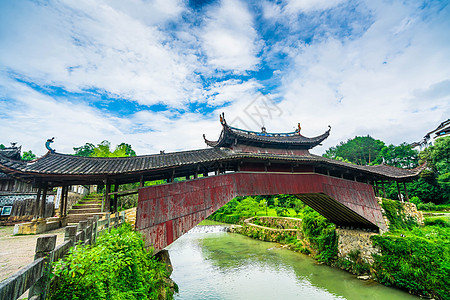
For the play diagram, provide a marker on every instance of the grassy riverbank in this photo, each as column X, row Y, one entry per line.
column 411, row 257
column 116, row 267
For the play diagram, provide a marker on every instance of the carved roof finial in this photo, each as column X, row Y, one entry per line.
column 47, row 145
column 222, row 119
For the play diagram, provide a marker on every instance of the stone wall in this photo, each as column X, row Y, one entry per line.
column 277, row 222
column 275, row 229
column 351, row 240
column 409, row 209
column 265, row 233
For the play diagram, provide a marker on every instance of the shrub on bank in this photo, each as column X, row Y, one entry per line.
column 417, row 261
column 413, row 258
column 116, row 267
column 321, row 234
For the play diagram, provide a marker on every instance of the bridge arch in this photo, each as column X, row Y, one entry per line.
column 165, row 212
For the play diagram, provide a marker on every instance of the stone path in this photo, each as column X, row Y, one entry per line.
column 18, row 251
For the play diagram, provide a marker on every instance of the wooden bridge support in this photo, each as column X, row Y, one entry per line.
column 165, row 212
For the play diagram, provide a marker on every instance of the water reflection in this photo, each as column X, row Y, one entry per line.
column 220, row 265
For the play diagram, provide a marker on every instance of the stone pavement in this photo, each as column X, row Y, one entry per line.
column 18, row 251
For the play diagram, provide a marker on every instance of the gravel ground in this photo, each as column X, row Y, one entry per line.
column 18, row 251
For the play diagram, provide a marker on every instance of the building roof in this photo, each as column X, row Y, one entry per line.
column 95, row 168
column 231, row 136
column 441, row 126
column 12, row 152
column 225, row 154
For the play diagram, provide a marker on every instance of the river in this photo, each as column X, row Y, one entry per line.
column 209, row 263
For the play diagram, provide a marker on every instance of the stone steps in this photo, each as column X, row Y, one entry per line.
column 85, row 208
column 75, row 218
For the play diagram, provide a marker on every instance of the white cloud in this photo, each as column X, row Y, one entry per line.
column 370, row 85
column 229, row 38
column 35, row 117
column 296, row 6
column 86, row 44
column 384, row 72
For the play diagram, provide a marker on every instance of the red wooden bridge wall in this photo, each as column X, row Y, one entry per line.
column 165, row 212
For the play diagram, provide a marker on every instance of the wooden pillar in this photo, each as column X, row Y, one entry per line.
column 43, row 200
column 399, row 193
column 141, row 181
column 107, row 198
column 384, row 189
column 38, row 201
column 375, row 188
column 66, row 198
column 114, row 201
column 61, row 202
column 406, row 192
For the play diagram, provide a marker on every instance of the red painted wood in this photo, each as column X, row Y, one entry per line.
column 166, row 212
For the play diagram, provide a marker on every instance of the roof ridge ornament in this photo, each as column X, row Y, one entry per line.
column 47, row 145
column 222, row 119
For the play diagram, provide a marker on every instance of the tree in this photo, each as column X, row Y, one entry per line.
column 361, row 150
column 248, row 207
column 401, row 156
column 85, row 150
column 2, row 146
column 104, row 150
column 438, row 158
column 28, row 155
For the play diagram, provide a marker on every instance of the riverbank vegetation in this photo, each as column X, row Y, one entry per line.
column 411, row 257
column 116, row 267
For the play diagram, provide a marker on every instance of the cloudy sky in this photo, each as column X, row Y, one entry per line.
column 156, row 74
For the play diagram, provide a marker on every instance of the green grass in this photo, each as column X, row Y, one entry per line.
column 210, row 222
column 272, row 213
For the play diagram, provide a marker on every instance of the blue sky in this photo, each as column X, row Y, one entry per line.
column 156, row 74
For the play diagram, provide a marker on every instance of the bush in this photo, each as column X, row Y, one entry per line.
column 441, row 222
column 417, row 261
column 427, row 206
column 354, row 263
column 116, row 267
column 393, row 210
column 321, row 234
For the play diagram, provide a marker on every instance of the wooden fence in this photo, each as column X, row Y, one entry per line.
column 35, row 276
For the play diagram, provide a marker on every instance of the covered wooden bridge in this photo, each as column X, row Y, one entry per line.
column 239, row 163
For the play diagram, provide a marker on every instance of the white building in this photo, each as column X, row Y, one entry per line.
column 430, row 138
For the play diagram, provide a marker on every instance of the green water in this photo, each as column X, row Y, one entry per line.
column 218, row 265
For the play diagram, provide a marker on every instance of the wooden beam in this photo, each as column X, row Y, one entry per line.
column 124, row 193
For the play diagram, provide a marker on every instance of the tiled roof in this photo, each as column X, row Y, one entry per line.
column 11, row 152
column 292, row 140
column 67, row 165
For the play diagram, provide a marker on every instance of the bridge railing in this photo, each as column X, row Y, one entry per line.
column 34, row 277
